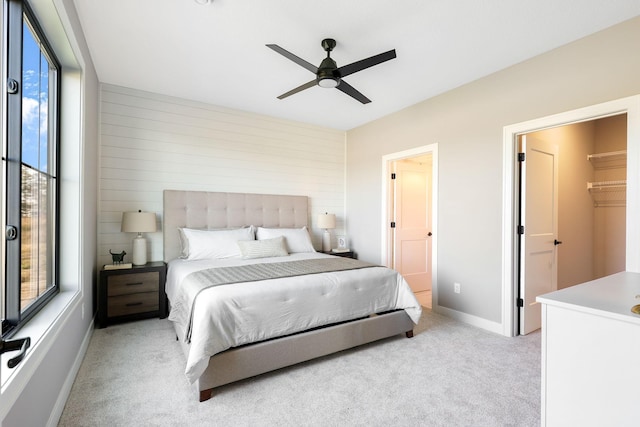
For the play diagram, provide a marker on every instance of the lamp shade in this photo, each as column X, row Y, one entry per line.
column 326, row 221
column 138, row 222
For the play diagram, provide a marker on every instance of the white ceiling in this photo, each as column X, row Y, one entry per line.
column 216, row 52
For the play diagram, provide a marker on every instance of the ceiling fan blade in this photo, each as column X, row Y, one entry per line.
column 294, row 58
column 299, row 89
column 352, row 92
column 366, row 63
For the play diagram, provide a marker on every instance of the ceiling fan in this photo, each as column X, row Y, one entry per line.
column 328, row 74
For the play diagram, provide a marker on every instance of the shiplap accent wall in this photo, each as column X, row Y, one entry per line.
column 151, row 142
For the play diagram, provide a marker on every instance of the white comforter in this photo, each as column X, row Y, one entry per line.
column 231, row 315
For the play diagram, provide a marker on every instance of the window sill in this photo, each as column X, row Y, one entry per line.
column 42, row 329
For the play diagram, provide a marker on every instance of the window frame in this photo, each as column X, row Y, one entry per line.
column 13, row 316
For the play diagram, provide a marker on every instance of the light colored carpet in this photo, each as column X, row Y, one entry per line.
column 449, row 374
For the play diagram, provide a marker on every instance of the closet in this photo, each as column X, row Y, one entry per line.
column 592, row 169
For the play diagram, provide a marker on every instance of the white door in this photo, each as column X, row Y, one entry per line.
column 412, row 237
column 539, row 216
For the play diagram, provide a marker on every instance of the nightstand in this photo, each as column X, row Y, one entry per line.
column 349, row 254
column 132, row 293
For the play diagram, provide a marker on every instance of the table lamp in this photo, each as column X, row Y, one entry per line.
column 326, row 221
column 139, row 222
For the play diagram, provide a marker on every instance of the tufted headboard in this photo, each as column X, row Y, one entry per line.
column 209, row 210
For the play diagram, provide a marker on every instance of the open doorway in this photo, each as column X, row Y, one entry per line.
column 572, row 208
column 631, row 230
column 409, row 190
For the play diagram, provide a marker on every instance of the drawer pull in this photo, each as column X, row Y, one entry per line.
column 133, row 304
column 135, row 284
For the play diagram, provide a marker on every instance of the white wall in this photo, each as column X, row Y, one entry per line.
column 467, row 123
column 151, row 142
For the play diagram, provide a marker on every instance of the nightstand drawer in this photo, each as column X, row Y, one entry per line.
column 124, row 284
column 122, row 305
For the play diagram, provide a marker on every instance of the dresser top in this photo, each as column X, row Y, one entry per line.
column 611, row 296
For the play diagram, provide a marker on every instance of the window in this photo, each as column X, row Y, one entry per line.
column 30, row 164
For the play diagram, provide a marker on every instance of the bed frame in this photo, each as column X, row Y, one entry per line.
column 209, row 210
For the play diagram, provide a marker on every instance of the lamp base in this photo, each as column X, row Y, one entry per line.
column 326, row 241
column 139, row 250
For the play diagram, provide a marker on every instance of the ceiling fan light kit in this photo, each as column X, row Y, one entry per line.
column 328, row 82
column 328, row 74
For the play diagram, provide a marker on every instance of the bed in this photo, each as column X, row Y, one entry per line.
column 232, row 322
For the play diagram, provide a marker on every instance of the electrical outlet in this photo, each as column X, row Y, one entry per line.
column 456, row 287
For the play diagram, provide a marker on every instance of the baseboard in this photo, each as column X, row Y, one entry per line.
column 65, row 390
column 470, row 319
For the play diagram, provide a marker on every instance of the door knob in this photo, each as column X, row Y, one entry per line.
column 557, row 242
column 429, row 234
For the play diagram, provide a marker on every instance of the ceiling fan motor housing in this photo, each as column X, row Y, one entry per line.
column 328, row 75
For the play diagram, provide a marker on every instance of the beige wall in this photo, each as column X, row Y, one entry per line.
column 467, row 124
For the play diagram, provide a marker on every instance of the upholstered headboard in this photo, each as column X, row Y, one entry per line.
column 209, row 210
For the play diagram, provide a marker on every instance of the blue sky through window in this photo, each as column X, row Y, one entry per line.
column 35, row 98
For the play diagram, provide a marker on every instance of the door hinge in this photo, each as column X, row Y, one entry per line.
column 521, row 229
column 521, row 157
column 393, row 176
column 393, row 224
column 520, row 302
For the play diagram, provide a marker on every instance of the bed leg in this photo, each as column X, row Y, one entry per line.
column 206, row 394
column 409, row 334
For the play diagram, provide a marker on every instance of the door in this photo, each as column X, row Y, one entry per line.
column 539, row 216
column 412, row 236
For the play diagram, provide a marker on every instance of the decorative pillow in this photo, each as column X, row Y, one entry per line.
column 297, row 239
column 214, row 244
column 263, row 248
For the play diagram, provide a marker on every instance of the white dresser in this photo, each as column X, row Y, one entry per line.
column 591, row 354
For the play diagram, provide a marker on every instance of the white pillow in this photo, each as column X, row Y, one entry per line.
column 184, row 244
column 215, row 244
column 297, row 239
column 263, row 248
